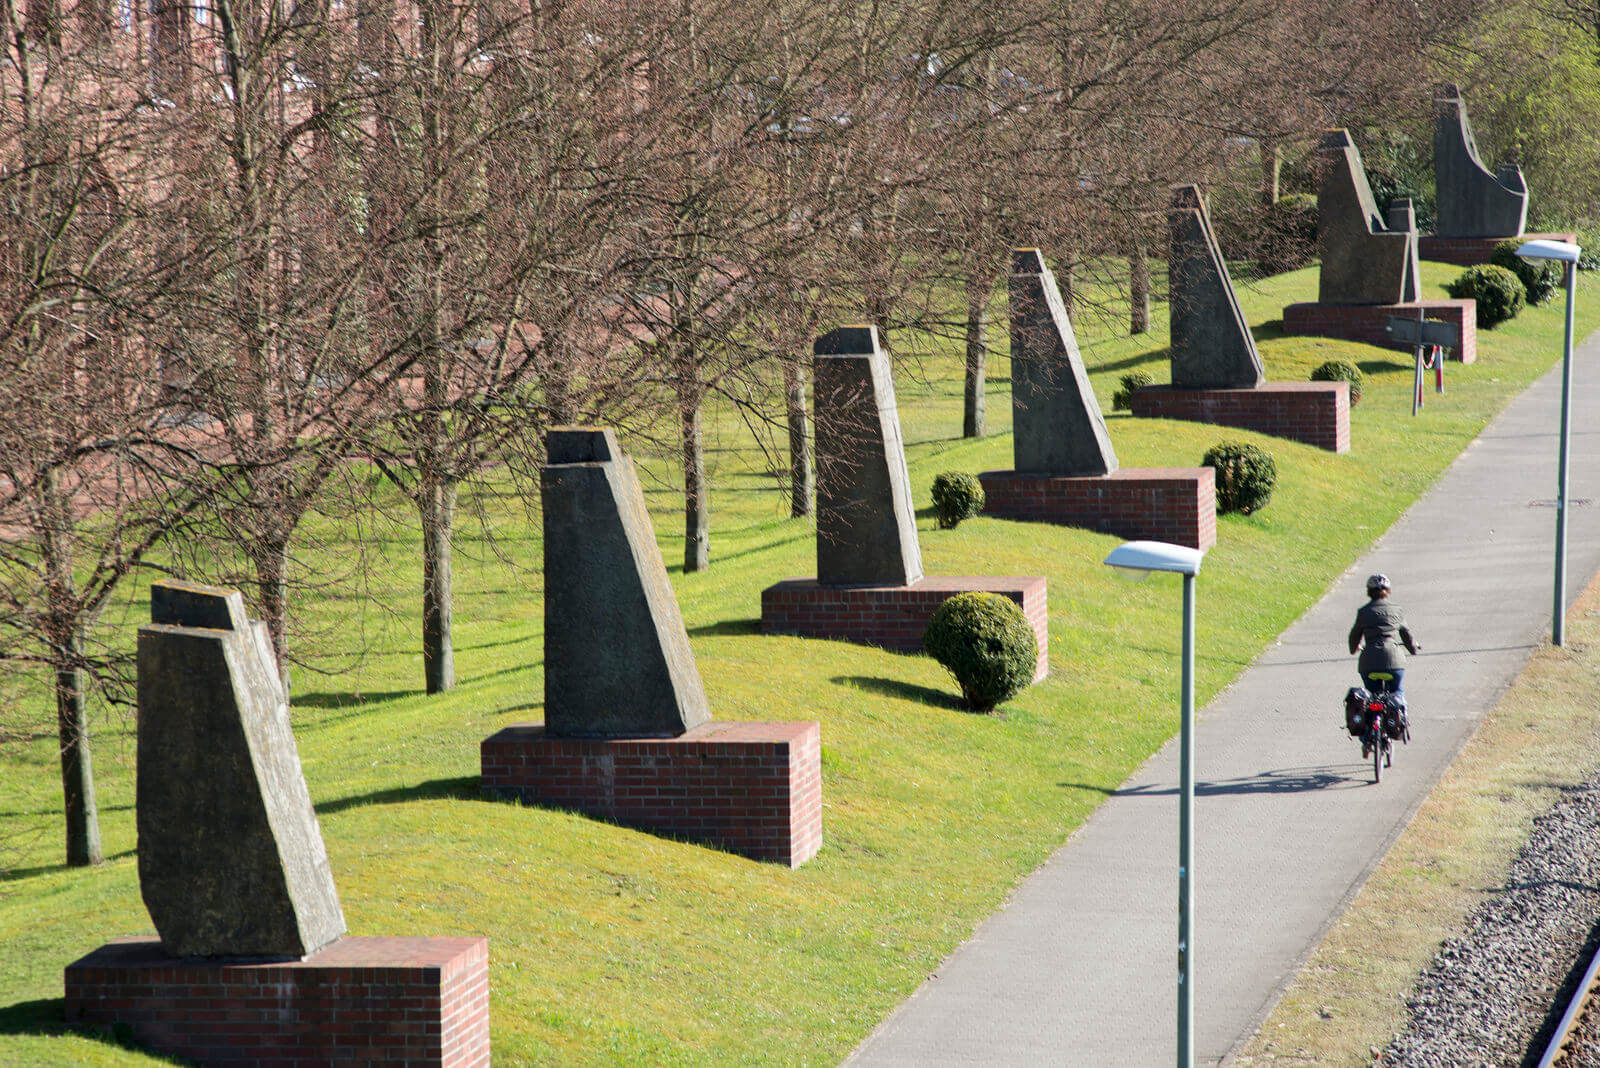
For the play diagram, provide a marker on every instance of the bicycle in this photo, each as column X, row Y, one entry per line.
column 1380, row 720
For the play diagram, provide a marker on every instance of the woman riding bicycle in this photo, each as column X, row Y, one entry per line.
column 1382, row 626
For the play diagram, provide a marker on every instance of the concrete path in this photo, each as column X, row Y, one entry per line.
column 1080, row 966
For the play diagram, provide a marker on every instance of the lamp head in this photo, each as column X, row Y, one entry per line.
column 1545, row 249
column 1142, row 557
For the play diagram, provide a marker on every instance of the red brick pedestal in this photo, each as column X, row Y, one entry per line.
column 1469, row 251
column 1172, row 504
column 894, row 617
column 750, row 788
column 375, row 1001
column 1316, row 413
column 1367, row 322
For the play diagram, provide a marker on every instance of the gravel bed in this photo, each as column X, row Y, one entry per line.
column 1489, row 993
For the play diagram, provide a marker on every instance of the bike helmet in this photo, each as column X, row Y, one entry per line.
column 1376, row 583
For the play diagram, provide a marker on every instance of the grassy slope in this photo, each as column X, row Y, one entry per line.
column 608, row 944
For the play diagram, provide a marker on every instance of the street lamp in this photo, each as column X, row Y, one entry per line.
column 1565, row 253
column 1142, row 557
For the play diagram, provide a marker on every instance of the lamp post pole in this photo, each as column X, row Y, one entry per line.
column 1186, row 837
column 1558, row 621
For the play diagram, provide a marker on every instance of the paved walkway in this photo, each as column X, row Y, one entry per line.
column 1080, row 966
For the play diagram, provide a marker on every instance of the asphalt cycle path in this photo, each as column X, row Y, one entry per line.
column 1080, row 966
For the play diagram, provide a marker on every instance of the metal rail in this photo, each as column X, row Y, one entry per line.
column 1569, row 1019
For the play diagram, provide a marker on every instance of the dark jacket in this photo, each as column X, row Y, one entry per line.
column 1383, row 628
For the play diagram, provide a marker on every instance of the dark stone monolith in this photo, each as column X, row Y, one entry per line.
column 1058, row 427
column 231, row 860
column 617, row 662
column 1472, row 201
column 1212, row 346
column 866, row 526
column 1363, row 260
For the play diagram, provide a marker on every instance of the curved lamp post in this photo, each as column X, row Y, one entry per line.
column 1566, row 254
column 1142, row 557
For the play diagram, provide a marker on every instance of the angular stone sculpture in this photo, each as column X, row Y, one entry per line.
column 617, row 659
column 231, row 859
column 1057, row 422
column 1212, row 346
column 1473, row 202
column 866, row 525
column 1363, row 260
column 1402, row 218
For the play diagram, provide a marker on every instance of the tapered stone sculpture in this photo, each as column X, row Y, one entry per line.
column 1364, row 261
column 231, row 860
column 1058, row 428
column 627, row 732
column 1472, row 200
column 866, row 525
column 1212, row 346
column 250, row 966
column 869, row 586
column 617, row 660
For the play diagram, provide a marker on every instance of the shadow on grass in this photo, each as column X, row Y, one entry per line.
column 724, row 556
column 464, row 788
column 727, row 628
column 1130, row 362
column 347, row 698
column 13, row 875
column 1278, row 781
column 47, row 1016
column 908, row 691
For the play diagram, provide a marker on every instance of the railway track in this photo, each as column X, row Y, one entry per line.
column 1575, row 1042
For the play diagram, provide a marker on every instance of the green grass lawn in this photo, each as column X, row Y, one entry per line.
column 609, row 944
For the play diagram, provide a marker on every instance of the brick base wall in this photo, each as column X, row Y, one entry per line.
column 411, row 1001
column 1316, row 413
column 1172, row 504
column 750, row 788
column 1366, row 322
column 894, row 617
column 1468, row 251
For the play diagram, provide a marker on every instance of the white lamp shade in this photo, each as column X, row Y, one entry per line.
column 1545, row 249
column 1156, row 556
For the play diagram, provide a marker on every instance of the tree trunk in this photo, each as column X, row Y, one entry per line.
column 696, row 494
column 800, row 485
column 1271, row 167
column 77, row 771
column 973, row 416
column 437, row 505
column 271, row 557
column 1138, row 289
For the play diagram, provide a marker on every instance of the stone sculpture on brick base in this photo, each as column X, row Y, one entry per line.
column 627, row 731
column 1212, row 346
column 869, row 586
column 237, row 881
column 1472, row 200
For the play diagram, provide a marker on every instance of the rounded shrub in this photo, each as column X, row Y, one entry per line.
column 1340, row 371
column 957, row 495
column 1246, row 476
column 984, row 640
column 1289, row 236
column 1540, row 278
column 1132, row 382
column 1498, row 292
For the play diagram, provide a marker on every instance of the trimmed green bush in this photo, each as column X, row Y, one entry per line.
column 1499, row 293
column 1132, row 382
column 985, row 642
column 1289, row 235
column 1246, row 476
column 1340, row 371
column 1540, row 278
column 957, row 495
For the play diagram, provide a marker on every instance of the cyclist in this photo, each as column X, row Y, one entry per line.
column 1382, row 626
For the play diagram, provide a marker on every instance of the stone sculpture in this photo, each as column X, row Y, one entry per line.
column 1364, row 261
column 1212, row 346
column 1059, row 429
column 617, row 659
column 1472, row 201
column 866, row 525
column 231, row 859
